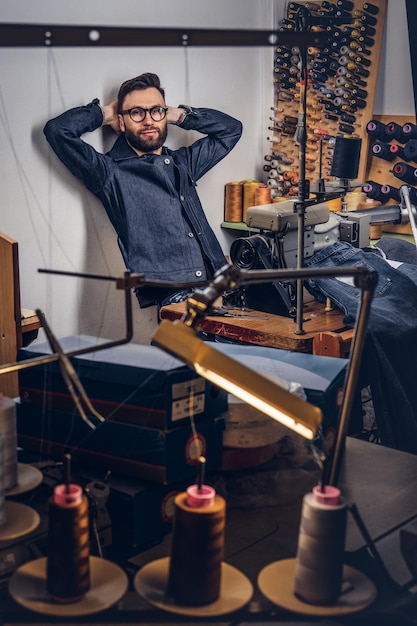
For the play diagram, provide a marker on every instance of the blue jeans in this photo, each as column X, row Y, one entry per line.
column 390, row 353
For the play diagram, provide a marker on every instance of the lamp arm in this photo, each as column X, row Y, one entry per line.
column 335, row 460
column 49, row 358
column 367, row 277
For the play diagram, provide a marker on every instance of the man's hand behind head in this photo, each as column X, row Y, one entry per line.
column 110, row 116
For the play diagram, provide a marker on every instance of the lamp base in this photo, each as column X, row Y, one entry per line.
column 276, row 582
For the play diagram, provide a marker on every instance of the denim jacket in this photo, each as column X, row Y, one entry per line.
column 151, row 200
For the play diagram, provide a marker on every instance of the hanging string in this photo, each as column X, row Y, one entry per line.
column 195, row 436
column 30, row 197
column 197, row 547
column 25, row 184
column 187, row 74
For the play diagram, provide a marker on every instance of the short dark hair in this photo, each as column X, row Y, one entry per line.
column 144, row 81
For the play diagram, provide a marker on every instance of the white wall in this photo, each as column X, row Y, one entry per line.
column 61, row 226
column 57, row 224
column 394, row 95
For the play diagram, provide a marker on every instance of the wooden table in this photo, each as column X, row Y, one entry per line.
column 324, row 330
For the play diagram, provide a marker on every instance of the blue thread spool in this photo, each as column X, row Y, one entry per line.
column 410, row 130
column 410, row 150
column 405, row 172
column 376, row 129
column 382, row 151
column 345, row 162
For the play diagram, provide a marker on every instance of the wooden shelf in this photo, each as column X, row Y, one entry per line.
column 241, row 226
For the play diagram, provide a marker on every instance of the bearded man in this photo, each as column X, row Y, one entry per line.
column 149, row 191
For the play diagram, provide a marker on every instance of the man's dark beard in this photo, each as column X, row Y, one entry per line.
column 147, row 144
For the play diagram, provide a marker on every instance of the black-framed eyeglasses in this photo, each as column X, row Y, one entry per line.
column 138, row 114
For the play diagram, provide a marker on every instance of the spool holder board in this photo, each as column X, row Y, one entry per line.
column 380, row 170
column 323, row 74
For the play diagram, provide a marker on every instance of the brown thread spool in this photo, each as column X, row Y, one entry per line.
column 262, row 195
column 197, row 551
column 68, row 562
column 233, row 207
column 290, row 174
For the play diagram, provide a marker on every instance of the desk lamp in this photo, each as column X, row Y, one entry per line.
column 180, row 339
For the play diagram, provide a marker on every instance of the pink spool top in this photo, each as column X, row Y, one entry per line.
column 327, row 495
column 202, row 497
column 68, row 495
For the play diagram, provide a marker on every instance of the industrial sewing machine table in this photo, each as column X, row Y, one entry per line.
column 324, row 330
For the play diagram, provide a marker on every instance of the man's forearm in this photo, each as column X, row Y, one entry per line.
column 64, row 136
column 75, row 122
column 215, row 124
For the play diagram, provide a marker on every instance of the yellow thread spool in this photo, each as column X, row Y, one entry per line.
column 249, row 188
column 262, row 195
column 233, row 202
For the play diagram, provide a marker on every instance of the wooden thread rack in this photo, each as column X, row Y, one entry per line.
column 345, row 72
